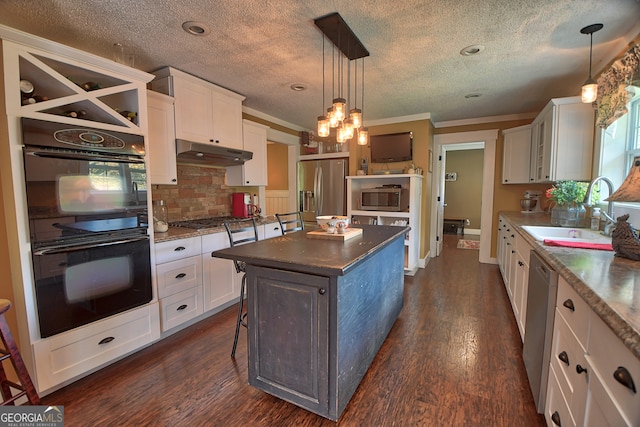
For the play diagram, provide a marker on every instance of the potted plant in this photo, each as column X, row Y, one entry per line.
column 567, row 208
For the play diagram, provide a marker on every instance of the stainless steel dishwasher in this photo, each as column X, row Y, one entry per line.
column 541, row 304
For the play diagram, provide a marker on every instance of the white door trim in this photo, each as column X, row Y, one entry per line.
column 489, row 137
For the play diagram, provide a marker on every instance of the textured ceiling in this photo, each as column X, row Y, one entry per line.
column 534, row 49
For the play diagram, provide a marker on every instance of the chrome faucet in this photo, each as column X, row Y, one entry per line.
column 610, row 222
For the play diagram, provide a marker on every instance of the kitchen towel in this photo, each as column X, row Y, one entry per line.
column 582, row 245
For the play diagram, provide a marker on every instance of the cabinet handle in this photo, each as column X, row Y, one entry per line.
column 569, row 304
column 513, row 236
column 181, row 275
column 174, row 180
column 555, row 417
column 322, row 291
column 624, row 377
column 106, row 340
column 521, row 264
column 179, row 248
column 564, row 357
column 182, row 307
column 580, row 369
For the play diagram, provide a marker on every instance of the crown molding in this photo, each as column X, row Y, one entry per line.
column 489, row 119
column 272, row 119
column 401, row 119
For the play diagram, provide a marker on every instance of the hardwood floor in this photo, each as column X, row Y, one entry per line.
column 452, row 358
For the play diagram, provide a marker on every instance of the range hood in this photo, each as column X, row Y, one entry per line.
column 215, row 155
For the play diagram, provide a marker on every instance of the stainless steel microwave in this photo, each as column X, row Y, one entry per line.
column 392, row 199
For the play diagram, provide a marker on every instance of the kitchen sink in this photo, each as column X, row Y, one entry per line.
column 566, row 234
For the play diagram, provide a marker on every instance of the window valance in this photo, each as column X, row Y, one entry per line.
column 612, row 87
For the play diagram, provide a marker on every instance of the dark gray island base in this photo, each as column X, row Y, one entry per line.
column 318, row 312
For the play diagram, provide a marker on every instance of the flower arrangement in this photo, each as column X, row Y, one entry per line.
column 567, row 192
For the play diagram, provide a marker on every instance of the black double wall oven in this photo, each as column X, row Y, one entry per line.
column 87, row 205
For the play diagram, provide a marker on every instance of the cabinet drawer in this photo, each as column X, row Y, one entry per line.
column 181, row 307
column 602, row 410
column 607, row 353
column 578, row 317
column 177, row 276
column 566, row 355
column 556, row 407
column 215, row 241
column 177, row 249
column 71, row 354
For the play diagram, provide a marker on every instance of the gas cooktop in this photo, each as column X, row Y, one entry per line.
column 203, row 223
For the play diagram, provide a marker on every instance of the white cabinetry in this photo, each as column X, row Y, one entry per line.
column 413, row 184
column 254, row 171
column 161, row 144
column 592, row 373
column 204, row 112
column 179, row 278
column 513, row 261
column 71, row 354
column 562, row 141
column 567, row 387
column 516, row 156
column 219, row 275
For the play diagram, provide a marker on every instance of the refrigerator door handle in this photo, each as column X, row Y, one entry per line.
column 320, row 197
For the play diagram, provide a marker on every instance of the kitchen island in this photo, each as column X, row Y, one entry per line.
column 318, row 312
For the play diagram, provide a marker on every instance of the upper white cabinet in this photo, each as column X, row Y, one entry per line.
column 562, row 141
column 517, row 155
column 44, row 85
column 204, row 112
column 253, row 172
column 161, row 144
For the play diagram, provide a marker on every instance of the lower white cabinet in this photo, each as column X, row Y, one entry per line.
column 220, row 283
column 71, row 354
column 179, row 279
column 592, row 373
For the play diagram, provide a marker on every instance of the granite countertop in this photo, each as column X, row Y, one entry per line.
column 301, row 253
column 610, row 285
column 175, row 233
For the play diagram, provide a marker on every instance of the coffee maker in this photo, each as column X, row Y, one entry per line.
column 241, row 205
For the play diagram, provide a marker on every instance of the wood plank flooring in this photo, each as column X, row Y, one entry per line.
column 453, row 358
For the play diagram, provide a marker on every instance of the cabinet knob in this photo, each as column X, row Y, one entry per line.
column 521, row 264
column 564, row 357
column 555, row 417
column 322, row 291
column 569, row 304
column 580, row 369
column 174, row 180
column 624, row 377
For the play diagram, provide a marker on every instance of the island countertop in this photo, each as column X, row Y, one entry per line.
column 610, row 285
column 298, row 252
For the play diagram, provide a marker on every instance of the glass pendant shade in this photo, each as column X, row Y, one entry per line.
column 340, row 135
column 356, row 116
column 323, row 126
column 589, row 91
column 347, row 125
column 363, row 136
column 339, row 105
column 333, row 122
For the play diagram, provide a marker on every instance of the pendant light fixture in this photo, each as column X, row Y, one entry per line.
column 590, row 87
column 346, row 121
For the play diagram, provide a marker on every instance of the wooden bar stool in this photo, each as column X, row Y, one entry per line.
column 11, row 352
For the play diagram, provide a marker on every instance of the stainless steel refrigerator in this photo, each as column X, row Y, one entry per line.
column 322, row 188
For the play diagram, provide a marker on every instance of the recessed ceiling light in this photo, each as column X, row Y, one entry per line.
column 474, row 49
column 196, row 28
column 473, row 95
column 298, row 87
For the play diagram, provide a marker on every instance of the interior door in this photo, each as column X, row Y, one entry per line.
column 440, row 162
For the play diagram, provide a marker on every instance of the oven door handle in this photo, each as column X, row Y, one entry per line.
column 59, row 250
column 85, row 156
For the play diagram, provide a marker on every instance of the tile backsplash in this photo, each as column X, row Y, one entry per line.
column 201, row 192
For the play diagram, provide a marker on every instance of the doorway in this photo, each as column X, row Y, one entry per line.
column 441, row 143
